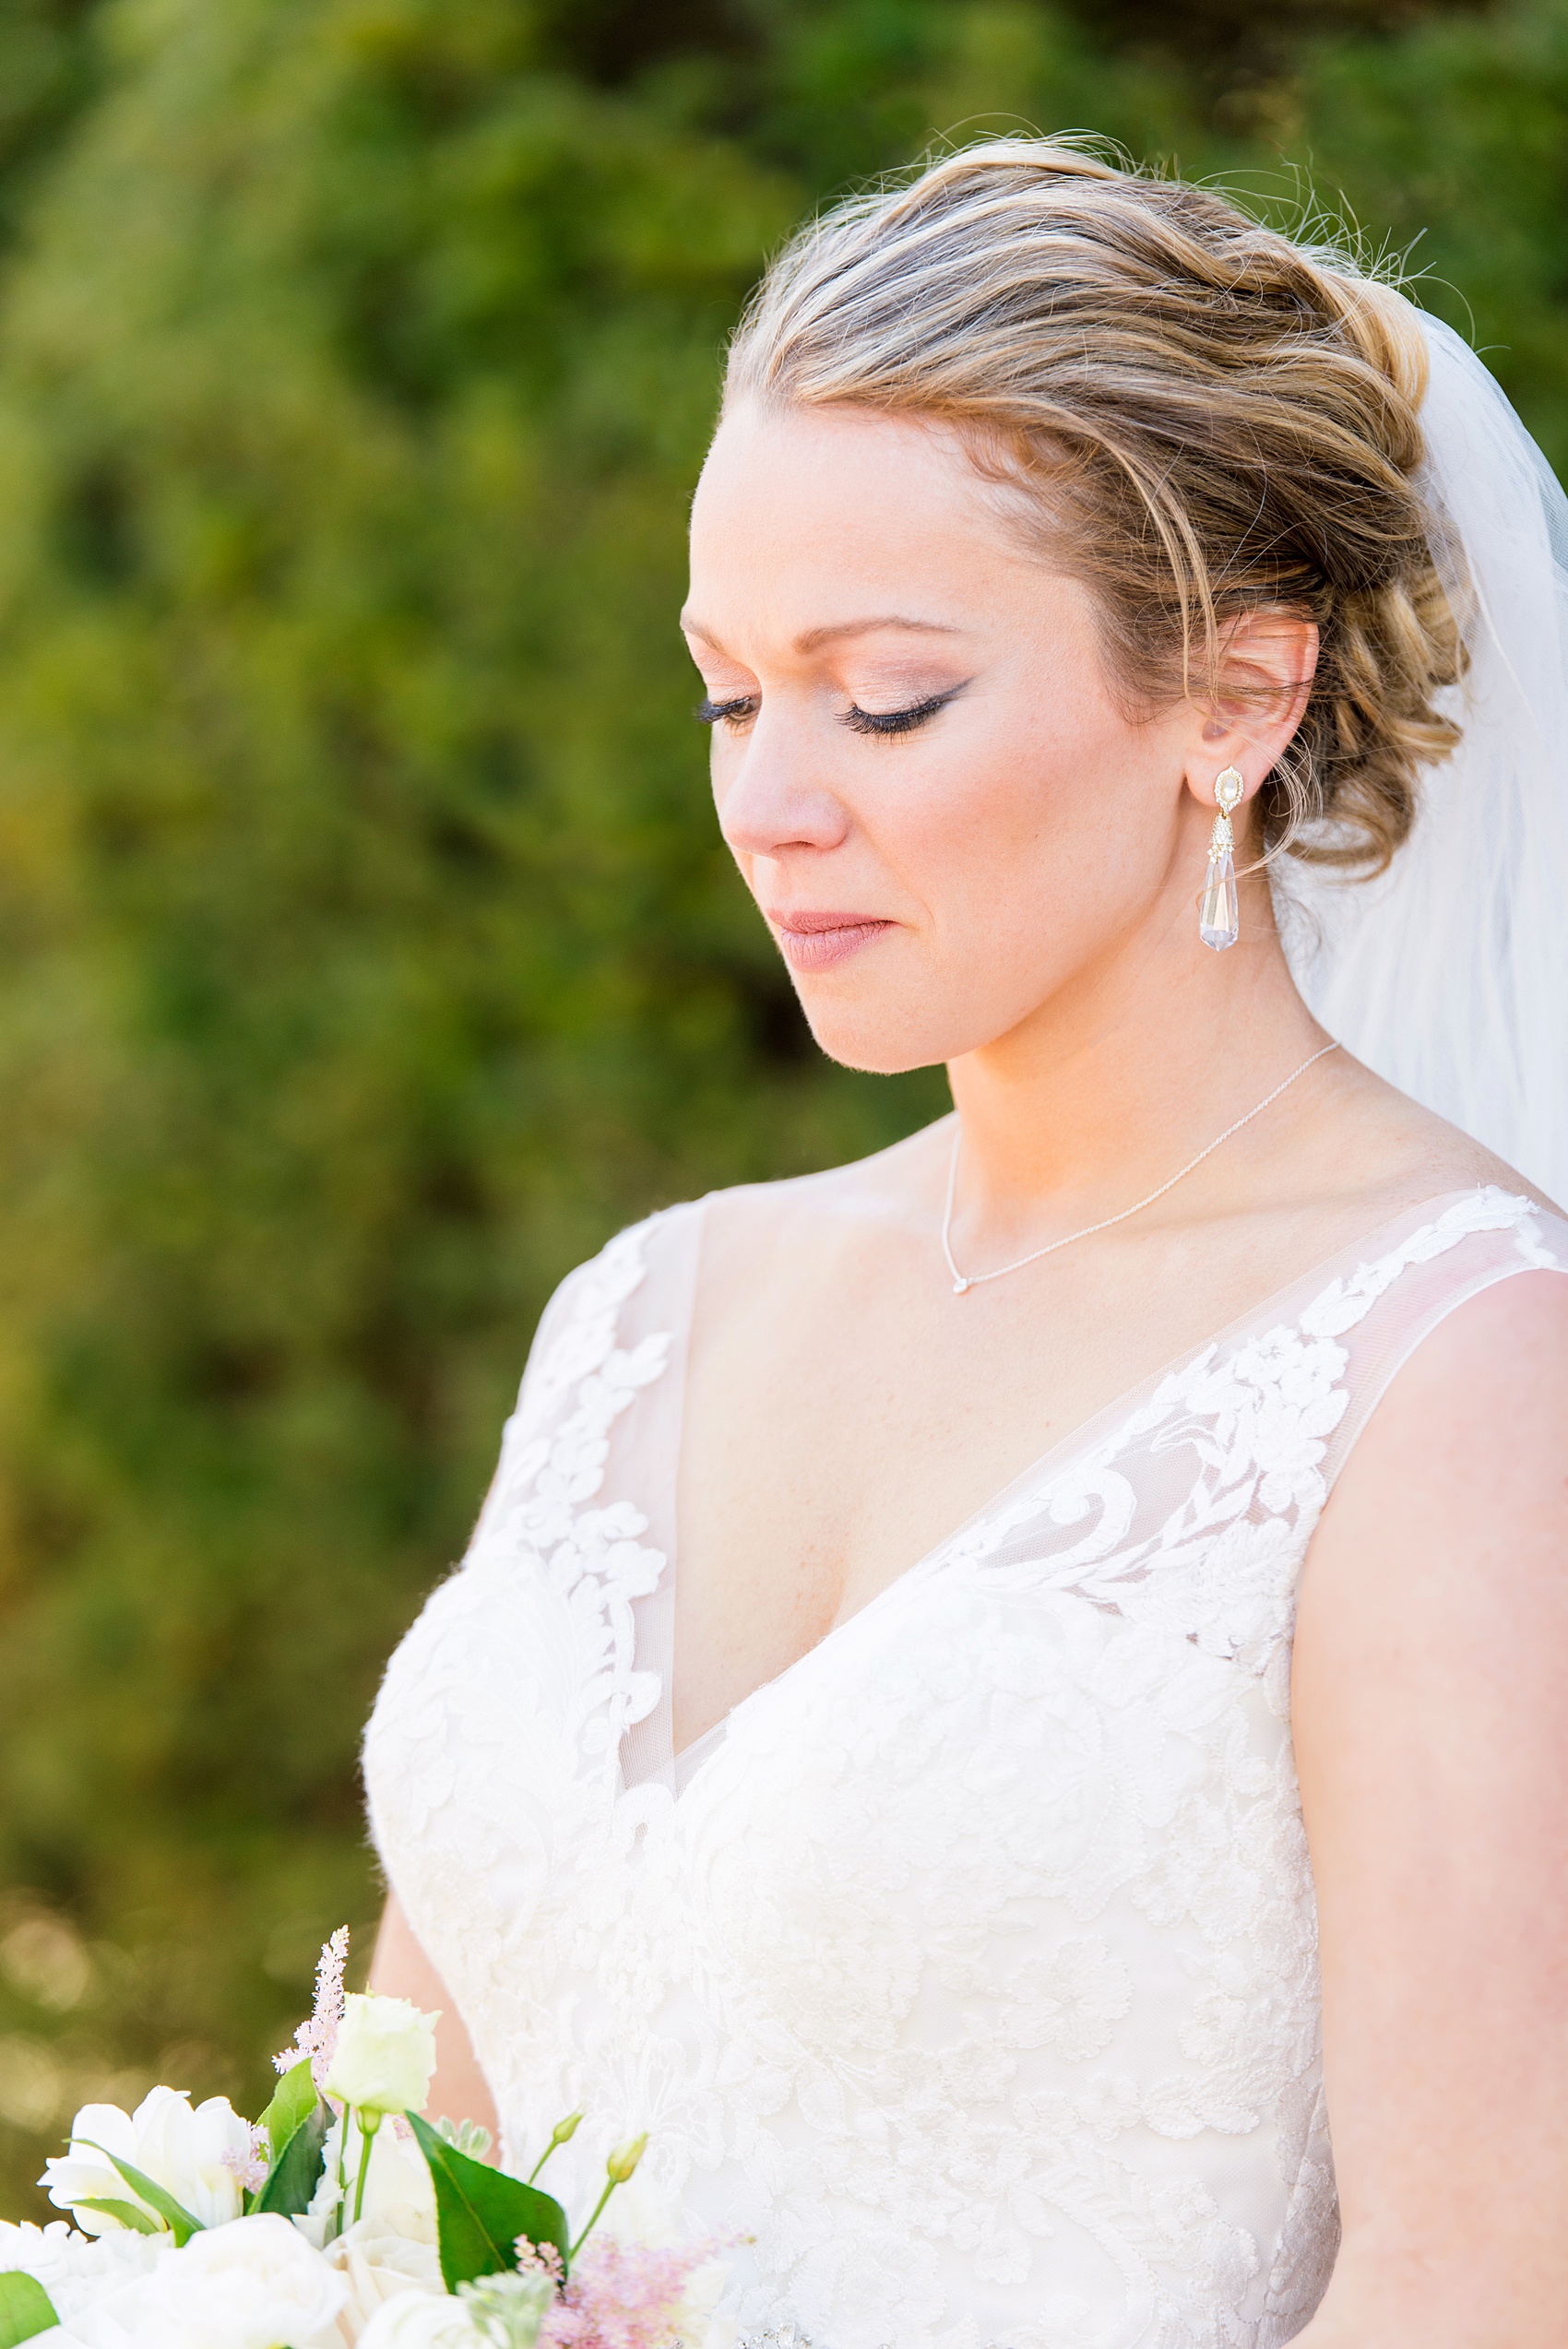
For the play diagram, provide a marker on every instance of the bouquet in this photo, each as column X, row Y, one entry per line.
column 340, row 2220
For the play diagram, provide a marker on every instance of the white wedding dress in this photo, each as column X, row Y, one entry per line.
column 968, row 1973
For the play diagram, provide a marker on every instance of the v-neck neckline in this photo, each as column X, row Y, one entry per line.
column 1270, row 1311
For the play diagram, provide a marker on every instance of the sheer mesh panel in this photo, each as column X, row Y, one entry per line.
column 1127, row 1511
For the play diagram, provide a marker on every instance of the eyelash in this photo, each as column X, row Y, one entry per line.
column 894, row 721
column 860, row 721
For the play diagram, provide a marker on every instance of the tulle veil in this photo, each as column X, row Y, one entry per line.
column 1449, row 972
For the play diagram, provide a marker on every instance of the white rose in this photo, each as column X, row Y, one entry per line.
column 76, row 2269
column 399, row 2195
column 377, row 2267
column 252, row 2284
column 180, row 2150
column 385, row 2054
column 695, row 2319
column 421, row 2320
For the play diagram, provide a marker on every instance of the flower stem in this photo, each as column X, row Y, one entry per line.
column 563, row 2131
column 594, row 2219
column 335, row 2215
column 369, row 2123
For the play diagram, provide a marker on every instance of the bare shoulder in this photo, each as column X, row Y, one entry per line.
column 1286, row 1199
column 894, row 1190
column 1382, row 1144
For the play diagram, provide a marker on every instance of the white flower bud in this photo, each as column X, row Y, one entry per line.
column 384, row 2055
column 624, row 2159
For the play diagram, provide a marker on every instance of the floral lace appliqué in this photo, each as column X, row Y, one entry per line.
column 971, row 1982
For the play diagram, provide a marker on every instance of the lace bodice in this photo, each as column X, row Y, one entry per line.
column 969, row 1972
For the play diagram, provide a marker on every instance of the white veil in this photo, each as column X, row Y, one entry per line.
column 1449, row 974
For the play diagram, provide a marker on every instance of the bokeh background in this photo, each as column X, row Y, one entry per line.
column 367, row 952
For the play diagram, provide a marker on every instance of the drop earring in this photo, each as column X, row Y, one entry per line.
column 1219, row 919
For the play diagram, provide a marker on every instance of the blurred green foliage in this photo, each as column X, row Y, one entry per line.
column 367, row 953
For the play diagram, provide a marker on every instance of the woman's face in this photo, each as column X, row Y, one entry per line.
column 942, row 810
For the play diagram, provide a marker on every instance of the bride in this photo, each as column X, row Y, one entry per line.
column 1004, row 1695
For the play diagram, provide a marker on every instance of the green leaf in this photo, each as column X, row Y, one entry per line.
column 181, row 2222
column 25, row 2309
column 127, row 2215
column 289, row 2185
column 479, row 2212
column 292, row 2105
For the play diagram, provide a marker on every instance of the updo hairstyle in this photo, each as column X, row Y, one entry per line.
column 1191, row 414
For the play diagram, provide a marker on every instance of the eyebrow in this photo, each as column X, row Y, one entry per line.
column 816, row 637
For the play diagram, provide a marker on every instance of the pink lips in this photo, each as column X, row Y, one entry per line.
column 817, row 940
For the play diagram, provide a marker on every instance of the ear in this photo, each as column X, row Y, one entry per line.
column 1267, row 661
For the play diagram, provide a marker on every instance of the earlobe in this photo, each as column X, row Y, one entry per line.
column 1228, row 766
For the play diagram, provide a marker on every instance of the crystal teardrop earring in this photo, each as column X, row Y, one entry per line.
column 1219, row 919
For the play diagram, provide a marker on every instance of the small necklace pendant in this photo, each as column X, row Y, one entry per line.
column 961, row 1286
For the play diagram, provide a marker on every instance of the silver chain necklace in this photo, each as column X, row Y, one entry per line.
column 961, row 1281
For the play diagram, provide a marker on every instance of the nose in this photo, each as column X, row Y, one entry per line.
column 770, row 797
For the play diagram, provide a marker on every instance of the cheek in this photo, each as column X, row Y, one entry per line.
column 1004, row 819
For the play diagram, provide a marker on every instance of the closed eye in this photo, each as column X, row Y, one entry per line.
column 896, row 721
column 735, row 713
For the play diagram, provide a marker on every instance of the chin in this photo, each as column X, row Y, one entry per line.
column 886, row 1039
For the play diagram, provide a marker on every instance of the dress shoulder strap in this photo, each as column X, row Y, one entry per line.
column 584, row 1495
column 1188, row 1505
column 613, row 1332
column 1380, row 1309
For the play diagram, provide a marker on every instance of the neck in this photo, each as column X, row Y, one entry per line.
column 1106, row 1089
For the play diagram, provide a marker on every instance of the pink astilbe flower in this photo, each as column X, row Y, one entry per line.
column 622, row 2295
column 249, row 2168
column 318, row 2038
column 538, row 2258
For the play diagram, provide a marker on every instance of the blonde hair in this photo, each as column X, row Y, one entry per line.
column 1190, row 413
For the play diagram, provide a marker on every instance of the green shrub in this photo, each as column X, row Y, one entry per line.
column 367, row 953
